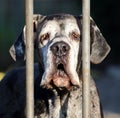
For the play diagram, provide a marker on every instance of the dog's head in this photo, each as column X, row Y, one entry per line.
column 58, row 40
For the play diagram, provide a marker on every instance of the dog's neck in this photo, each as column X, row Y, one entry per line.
column 57, row 103
column 56, row 91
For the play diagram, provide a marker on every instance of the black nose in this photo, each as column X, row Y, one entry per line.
column 60, row 48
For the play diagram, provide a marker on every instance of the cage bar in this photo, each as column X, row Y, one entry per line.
column 29, row 60
column 86, row 57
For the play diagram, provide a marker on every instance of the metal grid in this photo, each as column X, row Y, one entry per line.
column 30, row 59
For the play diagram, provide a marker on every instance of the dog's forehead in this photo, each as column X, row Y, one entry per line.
column 59, row 23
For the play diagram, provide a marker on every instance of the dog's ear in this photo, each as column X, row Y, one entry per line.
column 17, row 50
column 99, row 46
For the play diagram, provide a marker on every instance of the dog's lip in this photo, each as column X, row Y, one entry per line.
column 60, row 76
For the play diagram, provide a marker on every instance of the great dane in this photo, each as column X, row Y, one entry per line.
column 58, row 74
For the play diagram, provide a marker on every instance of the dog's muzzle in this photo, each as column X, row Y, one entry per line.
column 60, row 51
column 60, row 74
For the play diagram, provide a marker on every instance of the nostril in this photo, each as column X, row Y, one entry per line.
column 65, row 48
column 54, row 48
column 57, row 48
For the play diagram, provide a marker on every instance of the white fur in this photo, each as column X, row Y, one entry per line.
column 53, row 27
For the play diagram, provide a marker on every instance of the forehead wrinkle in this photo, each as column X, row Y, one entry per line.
column 60, row 26
column 50, row 26
column 71, row 25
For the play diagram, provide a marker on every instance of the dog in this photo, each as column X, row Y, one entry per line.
column 58, row 73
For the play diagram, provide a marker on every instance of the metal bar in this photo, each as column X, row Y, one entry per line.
column 29, row 60
column 86, row 57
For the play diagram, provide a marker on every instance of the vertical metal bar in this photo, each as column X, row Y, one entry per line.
column 29, row 60
column 86, row 57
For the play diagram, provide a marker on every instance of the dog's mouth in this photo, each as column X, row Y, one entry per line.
column 60, row 74
column 61, row 78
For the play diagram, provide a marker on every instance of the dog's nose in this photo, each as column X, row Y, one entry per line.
column 60, row 48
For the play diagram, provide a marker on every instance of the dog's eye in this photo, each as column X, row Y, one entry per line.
column 75, row 35
column 45, row 36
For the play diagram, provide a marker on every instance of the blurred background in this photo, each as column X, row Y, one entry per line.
column 107, row 17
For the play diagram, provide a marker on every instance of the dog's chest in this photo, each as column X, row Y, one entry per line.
column 70, row 105
column 74, row 105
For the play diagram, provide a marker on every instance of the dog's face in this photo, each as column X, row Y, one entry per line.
column 58, row 41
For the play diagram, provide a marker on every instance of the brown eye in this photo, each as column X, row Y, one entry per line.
column 75, row 35
column 45, row 36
